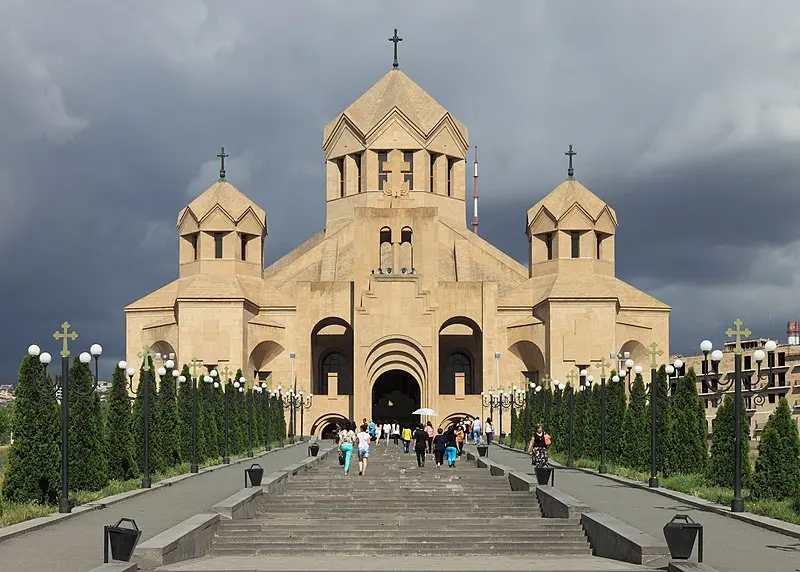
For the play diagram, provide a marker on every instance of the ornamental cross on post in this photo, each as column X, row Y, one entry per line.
column 66, row 335
column 222, row 156
column 603, row 366
column 396, row 169
column 570, row 170
column 395, row 39
column 193, row 365
column 546, row 380
column 654, row 353
column 571, row 377
column 227, row 373
column 738, row 333
column 143, row 355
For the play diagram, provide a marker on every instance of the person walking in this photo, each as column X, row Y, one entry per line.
column 488, row 430
column 439, row 447
column 420, row 444
column 451, row 450
column 378, row 428
column 363, row 449
column 460, row 439
column 346, row 439
column 429, row 432
column 371, row 429
column 537, row 448
column 406, row 438
column 476, row 431
column 387, row 431
column 396, row 433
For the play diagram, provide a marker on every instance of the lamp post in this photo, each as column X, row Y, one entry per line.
column 242, row 385
column 754, row 390
column 654, row 391
column 489, row 400
column 194, row 364
column 65, row 335
column 304, row 402
column 292, row 394
column 500, row 394
column 529, row 391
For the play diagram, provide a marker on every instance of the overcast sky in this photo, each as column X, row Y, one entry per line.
column 684, row 115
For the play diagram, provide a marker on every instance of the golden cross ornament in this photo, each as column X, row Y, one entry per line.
column 738, row 333
column 193, row 365
column 143, row 355
column 226, row 372
column 571, row 377
column 654, row 353
column 65, row 335
column 603, row 366
column 546, row 380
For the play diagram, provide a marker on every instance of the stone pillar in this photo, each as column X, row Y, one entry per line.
column 396, row 256
column 440, row 175
column 350, row 176
column 332, row 175
column 370, row 173
column 333, row 384
column 461, row 383
column 422, row 167
column 458, row 178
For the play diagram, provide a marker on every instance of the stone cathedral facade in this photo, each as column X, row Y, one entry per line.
column 395, row 304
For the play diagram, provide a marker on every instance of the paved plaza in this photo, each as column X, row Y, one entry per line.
column 730, row 545
column 76, row 544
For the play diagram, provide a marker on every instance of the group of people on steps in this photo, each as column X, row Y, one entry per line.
column 444, row 446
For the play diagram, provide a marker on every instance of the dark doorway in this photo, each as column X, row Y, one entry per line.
column 394, row 396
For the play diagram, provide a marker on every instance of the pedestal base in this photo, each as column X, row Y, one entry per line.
column 653, row 482
column 737, row 505
column 193, row 468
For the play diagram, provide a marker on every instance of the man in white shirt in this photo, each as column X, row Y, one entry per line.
column 387, row 431
column 476, row 430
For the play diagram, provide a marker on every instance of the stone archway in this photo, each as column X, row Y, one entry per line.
column 460, row 357
column 325, row 425
column 166, row 349
column 530, row 358
column 396, row 393
column 637, row 352
column 454, row 418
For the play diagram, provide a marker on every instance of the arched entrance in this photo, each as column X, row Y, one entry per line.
column 395, row 395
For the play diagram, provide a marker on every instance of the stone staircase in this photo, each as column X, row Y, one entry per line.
column 397, row 509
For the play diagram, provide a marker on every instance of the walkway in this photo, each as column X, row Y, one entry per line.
column 730, row 545
column 75, row 545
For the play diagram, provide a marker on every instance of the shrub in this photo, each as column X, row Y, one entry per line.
column 688, row 450
column 722, row 462
column 118, row 438
column 167, row 416
column 635, row 450
column 88, row 466
column 184, row 431
column 615, row 418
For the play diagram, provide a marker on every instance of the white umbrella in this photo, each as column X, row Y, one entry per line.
column 424, row 411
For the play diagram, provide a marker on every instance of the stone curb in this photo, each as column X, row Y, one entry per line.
column 14, row 530
column 771, row 524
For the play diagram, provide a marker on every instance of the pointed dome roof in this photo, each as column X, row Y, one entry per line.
column 229, row 198
column 395, row 89
column 569, row 193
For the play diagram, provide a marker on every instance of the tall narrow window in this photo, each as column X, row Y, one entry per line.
column 406, row 250
column 433, row 164
column 383, row 156
column 385, row 249
column 599, row 241
column 340, row 164
column 357, row 159
column 244, row 246
column 408, row 173
column 548, row 242
column 193, row 239
column 576, row 243
column 450, row 163
column 217, row 245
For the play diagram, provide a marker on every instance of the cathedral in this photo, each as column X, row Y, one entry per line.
column 396, row 304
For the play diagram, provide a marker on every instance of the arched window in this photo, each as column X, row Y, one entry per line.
column 458, row 364
column 406, row 250
column 385, row 253
column 333, row 362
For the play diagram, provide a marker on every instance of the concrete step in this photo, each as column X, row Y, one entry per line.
column 454, row 537
column 417, row 547
column 402, row 522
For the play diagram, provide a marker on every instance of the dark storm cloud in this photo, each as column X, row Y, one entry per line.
column 684, row 116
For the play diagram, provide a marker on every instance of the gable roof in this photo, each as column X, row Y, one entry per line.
column 566, row 195
column 226, row 197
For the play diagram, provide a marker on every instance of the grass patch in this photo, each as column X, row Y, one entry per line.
column 13, row 513
column 697, row 486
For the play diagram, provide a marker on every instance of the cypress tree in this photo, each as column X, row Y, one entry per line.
column 635, row 451
column 688, row 451
column 208, row 430
column 777, row 472
column 147, row 382
column 118, row 439
column 722, row 462
column 578, row 425
column 184, row 431
column 591, row 420
column 557, row 427
column 33, row 473
column 663, row 447
column 615, row 417
column 167, row 415
column 88, row 466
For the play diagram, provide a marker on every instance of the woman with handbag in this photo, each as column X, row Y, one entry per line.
column 346, row 439
column 537, row 448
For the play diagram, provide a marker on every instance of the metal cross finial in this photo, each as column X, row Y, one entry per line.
column 226, row 372
column 571, row 377
column 570, row 154
column 395, row 39
column 603, row 365
column 66, row 335
column 546, row 380
column 194, row 364
column 144, row 354
column 654, row 353
column 222, row 156
column 738, row 333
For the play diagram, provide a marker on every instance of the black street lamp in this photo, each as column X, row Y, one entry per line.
column 303, row 403
column 292, row 404
column 242, row 386
column 65, row 335
column 489, row 400
column 754, row 390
